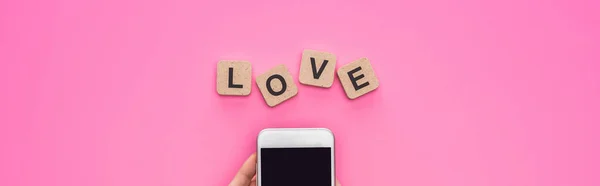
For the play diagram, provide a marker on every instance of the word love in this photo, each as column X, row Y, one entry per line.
column 316, row 69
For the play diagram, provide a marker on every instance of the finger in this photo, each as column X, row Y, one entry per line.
column 245, row 174
column 337, row 182
column 253, row 181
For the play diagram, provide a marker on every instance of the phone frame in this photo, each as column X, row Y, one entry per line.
column 294, row 138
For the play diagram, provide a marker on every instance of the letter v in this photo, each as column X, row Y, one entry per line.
column 317, row 74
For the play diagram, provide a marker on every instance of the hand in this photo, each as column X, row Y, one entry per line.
column 246, row 176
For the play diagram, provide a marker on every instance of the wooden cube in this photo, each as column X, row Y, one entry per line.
column 317, row 68
column 358, row 78
column 234, row 78
column 276, row 85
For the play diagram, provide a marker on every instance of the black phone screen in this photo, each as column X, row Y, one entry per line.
column 296, row 166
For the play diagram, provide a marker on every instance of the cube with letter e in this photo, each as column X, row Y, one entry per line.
column 358, row 78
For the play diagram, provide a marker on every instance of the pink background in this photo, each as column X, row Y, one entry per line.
column 122, row 92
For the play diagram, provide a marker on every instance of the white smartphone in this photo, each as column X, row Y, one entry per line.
column 295, row 157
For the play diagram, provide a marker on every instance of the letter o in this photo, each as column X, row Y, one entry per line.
column 283, row 85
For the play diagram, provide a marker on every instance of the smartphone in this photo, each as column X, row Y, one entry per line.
column 295, row 157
